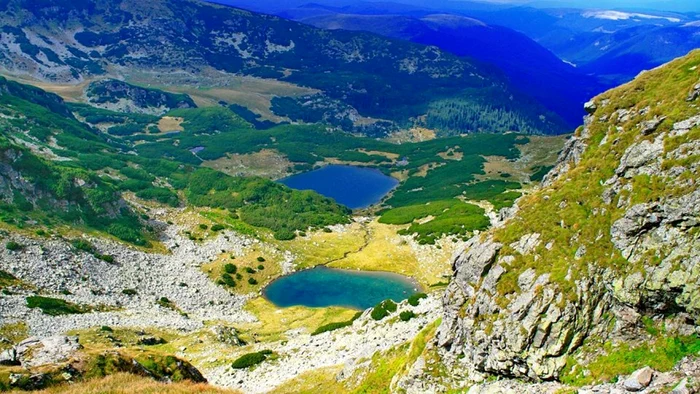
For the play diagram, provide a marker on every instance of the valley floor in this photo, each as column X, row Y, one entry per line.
column 171, row 293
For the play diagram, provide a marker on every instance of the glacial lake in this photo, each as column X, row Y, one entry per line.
column 323, row 287
column 354, row 187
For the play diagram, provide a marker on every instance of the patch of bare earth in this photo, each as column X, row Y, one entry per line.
column 540, row 151
column 415, row 134
column 69, row 92
column 168, row 124
column 267, row 163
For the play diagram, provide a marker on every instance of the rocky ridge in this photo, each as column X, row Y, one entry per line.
column 611, row 241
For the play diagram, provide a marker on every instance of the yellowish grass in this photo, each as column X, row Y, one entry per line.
column 388, row 155
column 13, row 333
column 322, row 248
column 123, row 383
column 68, row 92
column 274, row 321
column 271, row 271
column 387, row 251
column 168, row 123
column 451, row 154
column 253, row 93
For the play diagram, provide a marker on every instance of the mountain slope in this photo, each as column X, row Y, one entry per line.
column 597, row 273
column 610, row 44
column 529, row 66
column 68, row 41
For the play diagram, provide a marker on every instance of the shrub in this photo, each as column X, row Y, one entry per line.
column 414, row 300
column 54, row 306
column 129, row 292
column 217, row 227
column 249, row 270
column 252, row 281
column 261, row 267
column 406, row 315
column 251, row 359
column 203, row 226
column 106, row 328
column 228, row 280
column 261, row 259
column 83, row 245
column 230, row 268
column 390, row 305
column 12, row 245
column 383, row 309
column 105, row 257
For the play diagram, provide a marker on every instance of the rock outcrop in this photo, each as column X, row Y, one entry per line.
column 611, row 238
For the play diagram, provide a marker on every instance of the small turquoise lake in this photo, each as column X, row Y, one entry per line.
column 323, row 287
column 354, row 187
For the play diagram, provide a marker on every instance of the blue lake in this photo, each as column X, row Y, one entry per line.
column 323, row 287
column 354, row 187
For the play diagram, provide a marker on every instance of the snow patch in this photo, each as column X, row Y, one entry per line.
column 623, row 16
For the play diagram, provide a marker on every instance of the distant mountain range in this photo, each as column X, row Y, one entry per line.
column 603, row 48
column 380, row 78
column 613, row 44
column 531, row 68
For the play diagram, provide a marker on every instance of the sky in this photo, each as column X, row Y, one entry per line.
column 661, row 5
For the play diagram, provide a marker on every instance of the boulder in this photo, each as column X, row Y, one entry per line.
column 681, row 387
column 639, row 380
column 9, row 357
column 34, row 352
column 590, row 107
column 227, row 335
column 695, row 93
column 650, row 126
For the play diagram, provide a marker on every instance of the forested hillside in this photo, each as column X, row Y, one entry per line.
column 377, row 77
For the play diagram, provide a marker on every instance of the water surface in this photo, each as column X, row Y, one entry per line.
column 354, row 187
column 323, row 287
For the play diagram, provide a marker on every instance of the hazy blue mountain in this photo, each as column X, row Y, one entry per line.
column 529, row 66
column 611, row 44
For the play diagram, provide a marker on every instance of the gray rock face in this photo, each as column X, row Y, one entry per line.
column 694, row 94
column 590, row 107
column 569, row 156
column 468, row 266
column 650, row 126
column 532, row 334
column 527, row 326
column 33, row 352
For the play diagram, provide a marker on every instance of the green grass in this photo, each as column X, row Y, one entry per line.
column 13, row 246
column 448, row 217
column 251, row 359
column 55, row 306
column 661, row 354
column 337, row 325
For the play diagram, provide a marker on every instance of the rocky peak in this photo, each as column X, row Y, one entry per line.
column 611, row 239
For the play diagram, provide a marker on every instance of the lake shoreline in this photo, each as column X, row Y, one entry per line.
column 391, row 278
